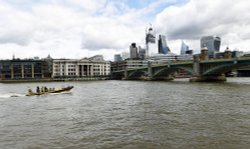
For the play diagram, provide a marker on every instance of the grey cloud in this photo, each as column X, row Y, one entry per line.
column 198, row 18
column 20, row 40
column 186, row 32
column 96, row 43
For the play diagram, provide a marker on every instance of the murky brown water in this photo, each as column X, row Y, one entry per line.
column 128, row 114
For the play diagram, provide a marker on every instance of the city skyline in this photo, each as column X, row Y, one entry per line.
column 76, row 29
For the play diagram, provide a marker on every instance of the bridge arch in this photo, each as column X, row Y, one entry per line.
column 220, row 69
column 117, row 75
column 136, row 73
column 169, row 70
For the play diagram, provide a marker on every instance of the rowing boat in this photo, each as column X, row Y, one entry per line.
column 58, row 90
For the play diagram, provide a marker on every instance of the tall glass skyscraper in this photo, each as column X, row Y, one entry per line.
column 142, row 52
column 151, row 47
column 133, row 51
column 211, row 42
column 184, row 48
column 150, row 36
column 117, row 57
column 162, row 45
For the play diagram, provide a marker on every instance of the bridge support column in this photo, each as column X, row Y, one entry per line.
column 149, row 76
column 125, row 74
column 198, row 77
column 214, row 78
column 150, row 70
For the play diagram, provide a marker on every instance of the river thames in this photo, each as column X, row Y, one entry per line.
column 127, row 115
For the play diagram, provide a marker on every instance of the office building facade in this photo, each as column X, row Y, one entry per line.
column 25, row 69
column 117, row 57
column 170, row 57
column 87, row 67
column 184, row 48
column 133, row 51
column 142, row 53
column 151, row 46
column 211, row 42
column 162, row 45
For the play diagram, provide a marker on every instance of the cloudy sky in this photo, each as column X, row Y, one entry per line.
column 83, row 28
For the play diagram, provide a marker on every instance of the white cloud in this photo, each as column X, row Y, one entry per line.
column 62, row 29
column 91, row 6
column 227, row 18
column 14, row 25
column 76, row 29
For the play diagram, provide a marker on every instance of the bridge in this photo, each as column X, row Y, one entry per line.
column 201, row 69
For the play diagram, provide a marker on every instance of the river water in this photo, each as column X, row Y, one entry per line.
column 127, row 115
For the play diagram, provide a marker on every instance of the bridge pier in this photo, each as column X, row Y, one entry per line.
column 125, row 74
column 151, row 76
column 215, row 78
column 197, row 73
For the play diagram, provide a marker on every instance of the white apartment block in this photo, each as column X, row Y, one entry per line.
column 87, row 67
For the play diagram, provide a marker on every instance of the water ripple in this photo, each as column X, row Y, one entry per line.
column 128, row 114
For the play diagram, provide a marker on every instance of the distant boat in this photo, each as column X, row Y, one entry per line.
column 58, row 90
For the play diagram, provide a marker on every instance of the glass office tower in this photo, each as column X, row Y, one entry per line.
column 211, row 42
column 162, row 45
column 184, row 48
column 151, row 47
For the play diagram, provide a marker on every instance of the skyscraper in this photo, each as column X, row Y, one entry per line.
column 151, row 47
column 117, row 57
column 184, row 48
column 150, row 36
column 211, row 42
column 133, row 51
column 141, row 53
column 162, row 45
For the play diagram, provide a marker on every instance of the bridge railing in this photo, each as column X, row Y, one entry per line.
column 225, row 60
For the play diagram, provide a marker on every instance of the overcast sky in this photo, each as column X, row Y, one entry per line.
column 83, row 28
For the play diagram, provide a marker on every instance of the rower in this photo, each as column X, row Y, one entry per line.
column 45, row 89
column 37, row 89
